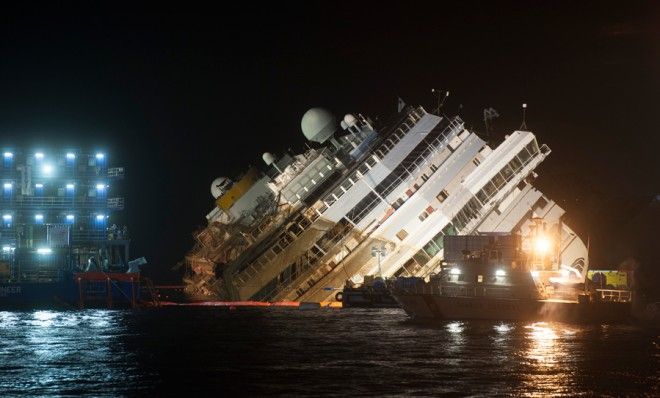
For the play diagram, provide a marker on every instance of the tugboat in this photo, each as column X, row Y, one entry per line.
column 493, row 277
column 373, row 293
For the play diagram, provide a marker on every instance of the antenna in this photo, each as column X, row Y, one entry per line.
column 489, row 115
column 523, row 126
column 441, row 98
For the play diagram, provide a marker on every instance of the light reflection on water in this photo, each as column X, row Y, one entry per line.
column 312, row 353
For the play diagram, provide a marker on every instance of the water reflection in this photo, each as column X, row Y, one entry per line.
column 547, row 353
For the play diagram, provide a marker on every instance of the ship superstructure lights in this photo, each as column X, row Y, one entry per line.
column 100, row 156
column 100, row 217
column 70, row 156
column 6, row 249
column 47, row 169
column 100, row 187
column 39, row 155
column 38, row 185
column 44, row 250
column 39, row 218
column 454, row 271
column 500, row 272
column 542, row 244
column 7, row 185
column 6, row 217
column 70, row 186
column 70, row 217
column 8, row 155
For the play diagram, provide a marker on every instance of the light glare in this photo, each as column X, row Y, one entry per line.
column 39, row 155
column 500, row 272
column 44, row 250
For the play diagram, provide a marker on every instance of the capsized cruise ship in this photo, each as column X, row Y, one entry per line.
column 302, row 225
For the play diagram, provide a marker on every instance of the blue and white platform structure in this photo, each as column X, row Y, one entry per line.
column 57, row 213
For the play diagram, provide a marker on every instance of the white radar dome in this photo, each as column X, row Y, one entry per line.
column 350, row 120
column 268, row 158
column 219, row 186
column 318, row 125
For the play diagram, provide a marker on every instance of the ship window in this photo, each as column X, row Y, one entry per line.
column 371, row 161
column 421, row 257
column 442, row 196
column 532, row 148
column 434, row 168
column 524, row 156
column 402, row 234
column 507, row 172
column 277, row 249
column 498, row 180
column 431, row 249
column 449, row 230
column 481, row 195
column 423, row 216
column 363, row 169
column 476, row 161
column 515, row 164
column 480, row 278
column 397, row 203
column 424, row 177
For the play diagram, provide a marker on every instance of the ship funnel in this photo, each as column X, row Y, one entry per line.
column 318, row 125
column 268, row 158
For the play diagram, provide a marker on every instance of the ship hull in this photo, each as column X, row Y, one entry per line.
column 433, row 306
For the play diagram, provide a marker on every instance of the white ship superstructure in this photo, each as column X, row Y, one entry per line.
column 301, row 228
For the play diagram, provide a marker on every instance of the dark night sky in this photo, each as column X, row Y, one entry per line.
column 181, row 96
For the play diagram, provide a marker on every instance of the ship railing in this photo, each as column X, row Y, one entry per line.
column 624, row 296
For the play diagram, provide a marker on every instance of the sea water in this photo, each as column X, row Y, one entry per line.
column 197, row 351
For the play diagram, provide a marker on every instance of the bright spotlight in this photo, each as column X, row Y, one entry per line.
column 535, row 274
column 500, row 272
column 70, row 156
column 8, row 155
column 100, row 156
column 455, row 271
column 38, row 217
column 70, row 217
column 6, row 217
column 100, row 217
column 69, row 186
column 44, row 250
column 542, row 244
column 7, row 185
column 100, row 187
column 564, row 273
column 38, row 185
column 39, row 155
column 47, row 169
column 6, row 249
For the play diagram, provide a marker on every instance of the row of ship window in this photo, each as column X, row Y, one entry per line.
column 331, row 198
column 472, row 208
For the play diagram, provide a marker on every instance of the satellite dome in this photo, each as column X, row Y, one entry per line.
column 318, row 125
column 350, row 120
column 219, row 186
column 268, row 158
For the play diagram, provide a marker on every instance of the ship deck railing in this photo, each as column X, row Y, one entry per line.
column 614, row 295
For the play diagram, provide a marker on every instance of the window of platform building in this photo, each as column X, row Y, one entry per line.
column 402, row 234
column 442, row 196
